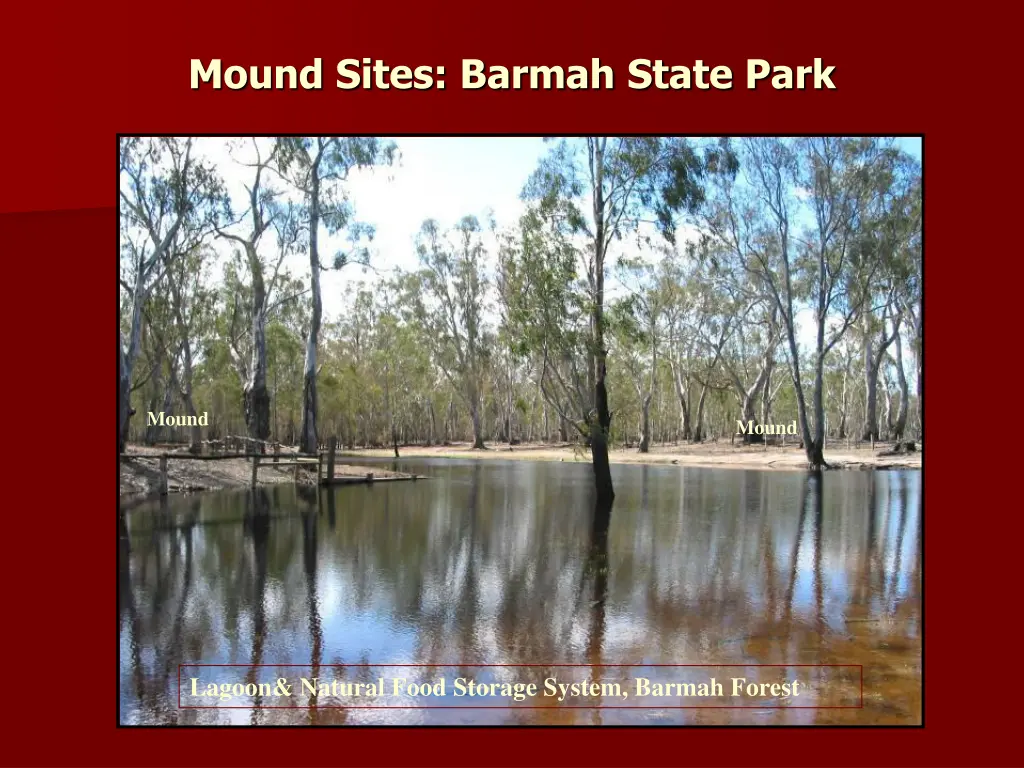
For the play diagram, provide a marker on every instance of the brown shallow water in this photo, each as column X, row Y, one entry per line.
column 508, row 563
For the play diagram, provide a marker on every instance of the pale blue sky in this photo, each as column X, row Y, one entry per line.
column 438, row 177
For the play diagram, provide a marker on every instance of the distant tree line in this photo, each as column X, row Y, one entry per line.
column 656, row 290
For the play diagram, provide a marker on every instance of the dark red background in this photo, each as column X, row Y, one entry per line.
column 72, row 78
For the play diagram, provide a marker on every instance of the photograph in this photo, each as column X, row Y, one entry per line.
column 522, row 430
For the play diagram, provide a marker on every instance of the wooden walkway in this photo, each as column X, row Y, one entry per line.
column 277, row 459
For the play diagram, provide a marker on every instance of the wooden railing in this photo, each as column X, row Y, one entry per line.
column 276, row 459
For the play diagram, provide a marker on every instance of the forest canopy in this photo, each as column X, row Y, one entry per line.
column 648, row 290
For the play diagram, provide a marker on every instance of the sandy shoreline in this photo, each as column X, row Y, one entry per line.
column 140, row 473
column 717, row 455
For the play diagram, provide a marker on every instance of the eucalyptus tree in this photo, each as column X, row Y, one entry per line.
column 843, row 363
column 318, row 168
column 163, row 189
column 910, row 297
column 718, row 310
column 158, row 357
column 744, row 323
column 192, row 305
column 637, row 321
column 597, row 190
column 791, row 224
column 750, row 356
column 513, row 352
column 899, row 428
column 682, row 327
column 450, row 302
column 264, row 210
column 876, row 337
column 891, row 224
column 400, row 360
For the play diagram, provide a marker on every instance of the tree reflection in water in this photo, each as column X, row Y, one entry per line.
column 510, row 562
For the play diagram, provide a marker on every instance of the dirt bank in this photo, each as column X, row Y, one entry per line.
column 140, row 473
column 721, row 455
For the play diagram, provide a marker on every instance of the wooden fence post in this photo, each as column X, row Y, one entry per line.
column 255, row 466
column 330, row 459
column 277, row 452
column 163, row 474
column 319, row 467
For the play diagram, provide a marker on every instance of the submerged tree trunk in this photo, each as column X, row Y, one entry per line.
column 599, row 440
column 600, row 427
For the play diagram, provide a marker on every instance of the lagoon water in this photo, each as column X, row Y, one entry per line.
column 508, row 563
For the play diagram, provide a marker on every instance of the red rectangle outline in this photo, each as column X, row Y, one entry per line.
column 574, row 706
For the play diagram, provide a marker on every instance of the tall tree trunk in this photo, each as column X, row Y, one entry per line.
column 599, row 445
column 748, row 398
column 185, row 386
column 679, row 379
column 255, row 397
column 814, row 455
column 167, row 404
column 698, row 429
column 888, row 407
column 123, row 388
column 645, row 421
column 843, row 404
column 870, row 431
column 390, row 411
column 195, row 431
column 127, row 358
column 816, row 450
column 510, row 408
column 308, row 437
column 600, row 428
column 474, row 412
column 872, row 364
column 645, row 424
column 900, row 428
column 432, row 423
